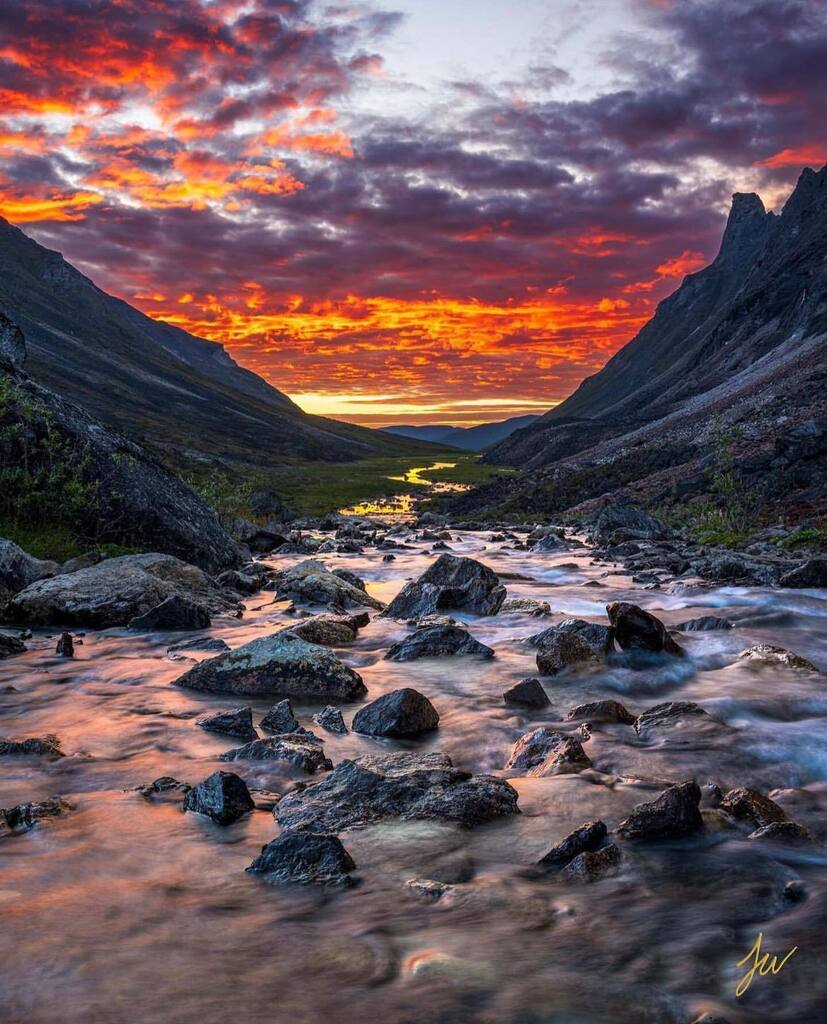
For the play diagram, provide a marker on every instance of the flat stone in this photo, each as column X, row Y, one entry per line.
column 783, row 832
column 223, row 796
column 330, row 630
column 46, row 745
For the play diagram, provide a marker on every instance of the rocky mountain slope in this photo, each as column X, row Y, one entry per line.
column 472, row 439
column 182, row 395
column 727, row 378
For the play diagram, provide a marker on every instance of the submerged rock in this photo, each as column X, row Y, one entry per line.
column 276, row 665
column 23, row 817
column 330, row 718
column 301, row 751
column 404, row 712
column 783, row 832
column 46, row 745
column 584, row 839
column 304, row 858
column 564, row 650
column 235, row 722
column 527, row 693
column 704, row 624
column 636, row 629
column 450, row 583
column 11, row 645
column 593, row 865
column 673, row 815
column 206, row 643
column 223, row 796
column 172, row 614
column 672, row 714
column 602, row 711
column 546, row 752
column 312, row 582
column 768, row 654
column 750, row 805
column 399, row 785
column 435, row 642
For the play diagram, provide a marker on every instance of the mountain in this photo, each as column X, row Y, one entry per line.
column 472, row 439
column 738, row 351
column 183, row 396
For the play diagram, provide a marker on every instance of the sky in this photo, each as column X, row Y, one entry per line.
column 420, row 211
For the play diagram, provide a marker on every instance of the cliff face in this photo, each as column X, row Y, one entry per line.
column 741, row 342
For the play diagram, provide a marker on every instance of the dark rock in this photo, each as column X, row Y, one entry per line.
column 389, row 558
column 450, row 583
column 807, row 440
column 636, row 629
column 299, row 750
column 12, row 345
column 165, row 784
column 10, row 645
column 750, row 805
column 280, row 718
column 175, row 613
column 205, row 643
column 795, row 891
column 544, row 752
column 404, row 712
column 584, row 839
column 673, row 815
column 399, row 785
column 330, row 718
column 235, row 722
column 223, row 796
column 278, row 665
column 563, row 650
column 23, row 817
column 632, row 521
column 592, row 866
column 47, row 745
column 265, row 503
column 305, row 859
column 528, row 693
column 669, row 715
column 329, row 630
column 811, row 574
column 783, row 832
column 239, row 582
column 704, row 624
column 65, row 646
column 351, row 578
column 435, row 642
column 599, row 711
column 311, row 582
column 18, row 569
column 599, row 638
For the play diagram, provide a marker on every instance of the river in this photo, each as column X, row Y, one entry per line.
column 403, row 507
column 127, row 911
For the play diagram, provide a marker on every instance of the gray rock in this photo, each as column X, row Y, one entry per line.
column 330, row 630
column 592, row 866
column 305, row 859
column 598, row 638
column 240, row 582
column 535, row 608
column 450, row 583
column 704, row 624
column 544, row 752
column 636, row 629
column 527, row 693
column 632, row 522
column 114, row 592
column 351, row 578
column 404, row 712
column 301, row 751
column 311, row 582
column 746, row 804
column 673, row 815
column 602, row 711
column 330, row 718
column 278, row 665
column 23, row 817
column 436, row 642
column 10, row 645
column 46, row 745
column 789, row 832
column 584, row 839
column 223, row 796
column 399, row 785
column 768, row 654
column 810, row 574
column 234, row 722
column 200, row 643
column 280, row 718
column 18, row 569
column 564, row 650
column 12, row 345
column 673, row 714
column 175, row 613
column 551, row 542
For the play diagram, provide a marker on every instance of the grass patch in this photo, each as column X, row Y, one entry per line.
column 468, row 470
column 810, row 537
column 56, row 542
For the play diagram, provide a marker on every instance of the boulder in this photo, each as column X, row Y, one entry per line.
column 674, row 714
column 436, row 642
column 404, row 712
column 65, row 646
column 810, row 574
column 302, row 750
column 538, row 609
column 114, row 592
column 632, row 522
column 767, row 654
column 10, row 645
column 46, row 745
column 23, row 817
column 788, row 832
column 450, row 583
column 599, row 638
column 592, row 866
column 749, row 805
column 175, row 613
column 223, row 796
column 239, row 582
column 280, row 718
column 351, row 578
column 528, row 693
column 18, row 569
column 210, row 644
column 551, row 542
column 673, row 815
column 584, row 839
column 602, row 711
column 310, row 582
column 704, row 624
column 234, row 722
column 330, row 718
column 278, row 665
column 305, row 859
column 636, row 629
column 400, row 785
column 544, row 752
column 564, row 650
column 330, row 630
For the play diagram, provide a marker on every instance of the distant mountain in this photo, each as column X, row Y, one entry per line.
column 739, row 348
column 473, row 439
column 182, row 395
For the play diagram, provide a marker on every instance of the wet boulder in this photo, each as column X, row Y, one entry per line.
column 625, row 522
column 400, row 785
column 788, row 832
column 300, row 750
column 585, row 839
column 234, row 722
column 598, row 638
column 23, row 817
column 544, row 752
column 47, row 746
column 563, row 650
column 201, row 644
column 239, row 582
column 673, row 815
column 115, row 591
column 280, row 718
column 18, row 569
column 278, row 665
column 437, row 642
column 592, row 865
column 675, row 715
column 551, row 542
column 749, row 805
column 352, row 578
column 330, row 718
column 810, row 574
column 330, row 630
column 304, row 858
column 404, row 712
column 535, row 608
column 528, row 693
column 761, row 655
column 310, row 582
column 704, row 624
column 636, row 629
column 450, row 583
column 10, row 645
column 174, row 613
column 223, row 796
column 599, row 712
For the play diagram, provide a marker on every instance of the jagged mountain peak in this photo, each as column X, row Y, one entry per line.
column 808, row 198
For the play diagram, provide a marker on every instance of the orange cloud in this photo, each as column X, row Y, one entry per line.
column 813, row 154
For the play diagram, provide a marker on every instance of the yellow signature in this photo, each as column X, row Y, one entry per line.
column 760, row 963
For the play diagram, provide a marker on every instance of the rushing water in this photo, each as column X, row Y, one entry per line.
column 127, row 910
column 402, row 507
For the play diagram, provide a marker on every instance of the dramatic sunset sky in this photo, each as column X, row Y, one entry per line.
column 425, row 211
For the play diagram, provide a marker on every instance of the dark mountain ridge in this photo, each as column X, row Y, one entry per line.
column 472, row 439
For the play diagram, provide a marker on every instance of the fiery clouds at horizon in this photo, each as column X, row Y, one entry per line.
column 270, row 174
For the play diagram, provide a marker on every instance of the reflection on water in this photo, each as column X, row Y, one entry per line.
column 130, row 911
column 401, row 507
